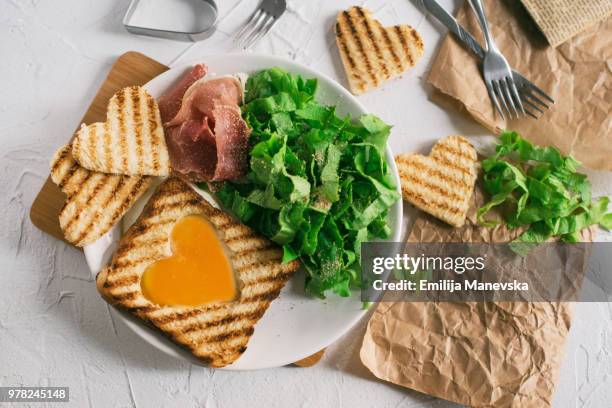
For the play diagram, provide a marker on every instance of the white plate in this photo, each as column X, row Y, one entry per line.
column 295, row 326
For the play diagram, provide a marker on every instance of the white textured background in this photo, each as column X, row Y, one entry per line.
column 56, row 330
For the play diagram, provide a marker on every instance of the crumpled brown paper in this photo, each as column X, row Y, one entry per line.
column 577, row 74
column 502, row 354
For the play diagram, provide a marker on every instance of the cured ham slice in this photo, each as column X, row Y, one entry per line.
column 232, row 136
column 211, row 155
column 201, row 97
column 170, row 102
column 192, row 149
column 206, row 136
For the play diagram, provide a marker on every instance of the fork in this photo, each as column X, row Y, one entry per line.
column 529, row 92
column 497, row 74
column 260, row 22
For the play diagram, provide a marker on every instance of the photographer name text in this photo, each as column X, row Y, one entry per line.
column 449, row 285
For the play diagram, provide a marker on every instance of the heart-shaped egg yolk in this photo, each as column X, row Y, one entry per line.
column 198, row 272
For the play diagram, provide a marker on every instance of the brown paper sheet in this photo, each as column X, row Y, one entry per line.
column 577, row 75
column 502, row 354
column 560, row 20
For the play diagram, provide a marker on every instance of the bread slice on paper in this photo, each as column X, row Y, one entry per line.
column 216, row 333
column 442, row 183
column 130, row 142
column 94, row 201
column 372, row 53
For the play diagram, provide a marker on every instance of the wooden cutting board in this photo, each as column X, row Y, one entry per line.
column 131, row 68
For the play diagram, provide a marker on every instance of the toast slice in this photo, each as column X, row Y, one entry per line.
column 372, row 53
column 94, row 201
column 442, row 183
column 130, row 142
column 216, row 333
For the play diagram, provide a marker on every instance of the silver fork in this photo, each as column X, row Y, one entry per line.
column 496, row 70
column 260, row 22
column 529, row 92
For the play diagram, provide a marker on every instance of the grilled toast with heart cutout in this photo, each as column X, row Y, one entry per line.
column 216, row 333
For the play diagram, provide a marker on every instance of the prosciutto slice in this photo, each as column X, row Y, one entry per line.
column 201, row 98
column 194, row 147
column 170, row 102
column 206, row 136
column 232, row 134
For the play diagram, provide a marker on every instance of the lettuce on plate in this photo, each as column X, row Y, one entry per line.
column 318, row 184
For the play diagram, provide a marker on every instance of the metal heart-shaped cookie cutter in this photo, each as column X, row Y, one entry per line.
column 208, row 28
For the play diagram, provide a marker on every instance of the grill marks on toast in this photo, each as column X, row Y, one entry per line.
column 216, row 333
column 441, row 183
column 380, row 59
column 108, row 142
column 94, row 201
column 390, row 49
column 350, row 65
column 249, row 316
column 157, row 138
column 405, row 47
column 138, row 130
column 357, row 39
column 130, row 142
column 372, row 53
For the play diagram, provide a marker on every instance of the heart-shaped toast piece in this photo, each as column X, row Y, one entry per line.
column 94, row 201
column 198, row 271
column 442, row 183
column 130, row 142
column 372, row 53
